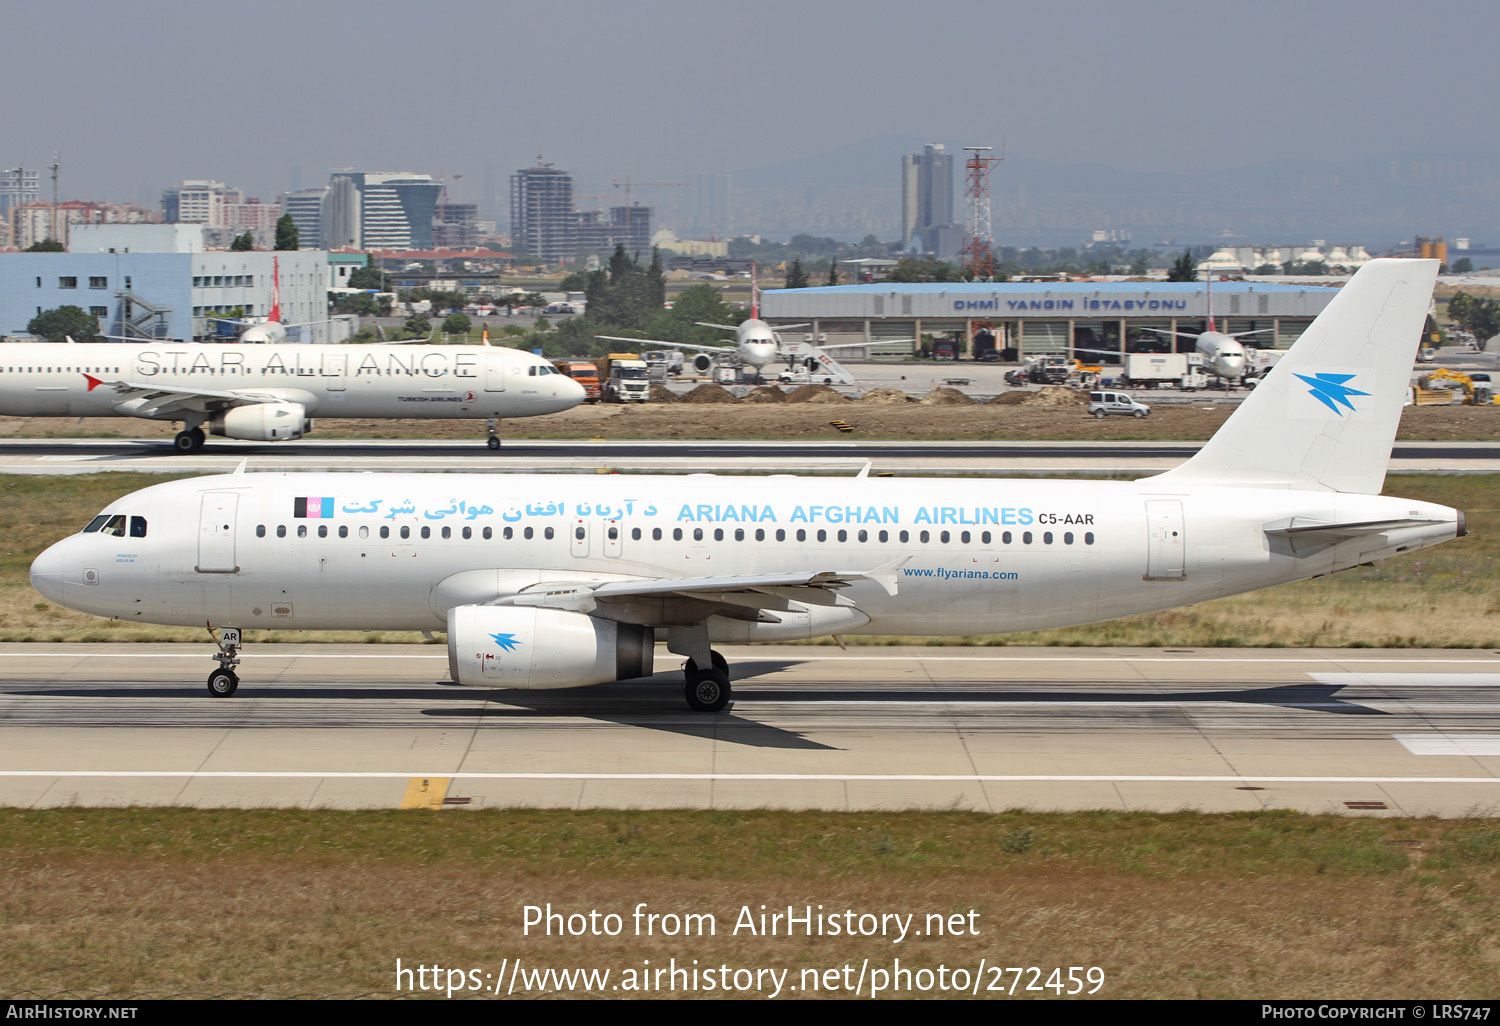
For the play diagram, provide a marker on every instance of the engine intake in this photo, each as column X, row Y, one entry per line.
column 262, row 422
column 703, row 363
column 525, row 647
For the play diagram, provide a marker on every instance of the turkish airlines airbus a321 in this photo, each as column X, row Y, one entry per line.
column 555, row 582
column 271, row 393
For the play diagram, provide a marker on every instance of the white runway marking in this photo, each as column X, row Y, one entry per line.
column 731, row 777
column 1451, row 744
column 1409, row 680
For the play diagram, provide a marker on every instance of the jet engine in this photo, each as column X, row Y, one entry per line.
column 527, row 647
column 262, row 422
column 703, row 363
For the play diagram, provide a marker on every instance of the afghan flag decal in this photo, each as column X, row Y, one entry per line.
column 315, row 508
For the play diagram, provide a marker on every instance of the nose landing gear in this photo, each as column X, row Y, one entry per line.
column 223, row 682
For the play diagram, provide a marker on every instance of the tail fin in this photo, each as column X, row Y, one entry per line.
column 1326, row 414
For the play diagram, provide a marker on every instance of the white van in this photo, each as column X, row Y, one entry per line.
column 1102, row 404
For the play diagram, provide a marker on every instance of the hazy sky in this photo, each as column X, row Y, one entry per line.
column 268, row 95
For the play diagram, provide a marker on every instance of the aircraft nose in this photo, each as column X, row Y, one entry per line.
column 571, row 392
column 47, row 573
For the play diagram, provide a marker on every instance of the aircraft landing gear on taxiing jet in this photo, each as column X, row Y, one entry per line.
column 223, row 682
column 189, row 440
column 707, row 690
column 494, row 440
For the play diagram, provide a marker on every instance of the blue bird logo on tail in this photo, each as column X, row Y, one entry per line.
column 507, row 642
column 1330, row 390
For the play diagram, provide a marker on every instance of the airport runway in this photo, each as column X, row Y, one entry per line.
column 1366, row 732
column 93, row 455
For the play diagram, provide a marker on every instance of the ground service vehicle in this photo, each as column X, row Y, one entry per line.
column 627, row 379
column 585, row 372
column 1102, row 404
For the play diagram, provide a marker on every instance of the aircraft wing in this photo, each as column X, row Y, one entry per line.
column 661, row 601
column 153, row 401
column 673, row 345
column 860, row 345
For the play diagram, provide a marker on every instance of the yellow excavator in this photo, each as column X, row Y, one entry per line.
column 1476, row 393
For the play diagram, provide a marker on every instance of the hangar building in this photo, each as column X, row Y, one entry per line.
column 1026, row 318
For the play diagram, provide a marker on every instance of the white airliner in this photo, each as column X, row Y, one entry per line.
column 755, row 342
column 272, row 393
column 1223, row 354
column 555, row 582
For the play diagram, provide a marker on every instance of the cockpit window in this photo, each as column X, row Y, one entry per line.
column 137, row 527
column 96, row 523
column 115, row 525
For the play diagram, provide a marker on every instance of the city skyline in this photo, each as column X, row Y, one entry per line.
column 1162, row 88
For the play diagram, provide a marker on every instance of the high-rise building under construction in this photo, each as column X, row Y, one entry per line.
column 926, row 194
column 543, row 223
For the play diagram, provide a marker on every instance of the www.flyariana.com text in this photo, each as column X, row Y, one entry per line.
column 693, row 976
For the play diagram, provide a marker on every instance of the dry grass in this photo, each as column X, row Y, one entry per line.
column 1444, row 597
column 138, row 902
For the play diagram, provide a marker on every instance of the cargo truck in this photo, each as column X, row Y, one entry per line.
column 626, row 379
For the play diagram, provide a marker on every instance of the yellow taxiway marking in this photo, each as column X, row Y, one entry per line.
column 425, row 793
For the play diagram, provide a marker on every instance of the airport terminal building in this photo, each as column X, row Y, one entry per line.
column 1021, row 319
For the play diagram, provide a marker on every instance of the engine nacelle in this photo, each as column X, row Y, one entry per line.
column 703, row 363
column 527, row 647
column 262, row 422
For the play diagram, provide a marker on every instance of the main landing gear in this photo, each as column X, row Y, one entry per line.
column 188, row 441
column 223, row 682
column 707, row 690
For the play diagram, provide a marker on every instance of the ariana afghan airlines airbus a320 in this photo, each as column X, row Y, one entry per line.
column 556, row 582
column 271, row 393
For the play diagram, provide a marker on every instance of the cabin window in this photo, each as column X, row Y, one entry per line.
column 943, row 537
column 822, row 535
column 1068, row 538
column 964, row 538
column 426, row 532
column 884, row 536
column 385, row 532
column 801, row 535
column 281, row 530
column 697, row 534
column 301, row 530
column 864, row 536
column 405, row 532
column 843, row 535
column 137, row 527
column 1088, row 537
column 260, row 530
column 613, row 533
column 507, row 534
column 656, row 534
column 547, row 533
column 760, row 534
column 718, row 534
column 1046, row 537
column 635, row 534
column 1025, row 537
column 984, row 537
column 527, row 534
column 578, row 533
column 343, row 530
column 447, row 532
column 780, row 534
column 924, row 537
column 489, row 533
column 468, row 533
column 322, row 530
column 739, row 534
column 677, row 534
column 364, row 531
column 1005, row 538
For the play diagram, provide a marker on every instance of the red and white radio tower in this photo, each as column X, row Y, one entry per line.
column 979, row 260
